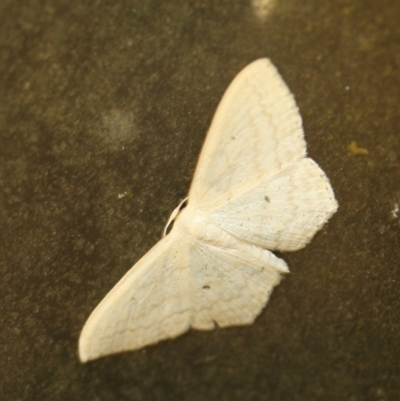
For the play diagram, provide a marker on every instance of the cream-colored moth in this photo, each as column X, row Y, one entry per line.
column 254, row 190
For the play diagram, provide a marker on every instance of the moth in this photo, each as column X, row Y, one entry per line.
column 254, row 191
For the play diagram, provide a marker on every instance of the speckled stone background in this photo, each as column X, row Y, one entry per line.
column 104, row 106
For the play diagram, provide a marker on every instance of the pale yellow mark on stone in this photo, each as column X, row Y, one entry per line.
column 262, row 8
column 123, row 194
column 354, row 149
column 395, row 211
column 360, row 254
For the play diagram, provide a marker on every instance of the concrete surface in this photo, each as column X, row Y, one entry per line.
column 107, row 98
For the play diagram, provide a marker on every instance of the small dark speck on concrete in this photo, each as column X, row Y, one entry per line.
column 98, row 101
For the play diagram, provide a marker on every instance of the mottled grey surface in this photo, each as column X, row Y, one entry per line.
column 103, row 98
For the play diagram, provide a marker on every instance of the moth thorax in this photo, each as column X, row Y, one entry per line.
column 193, row 222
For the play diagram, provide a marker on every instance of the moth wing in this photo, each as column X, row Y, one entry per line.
column 230, row 284
column 283, row 212
column 149, row 304
column 256, row 131
column 180, row 284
